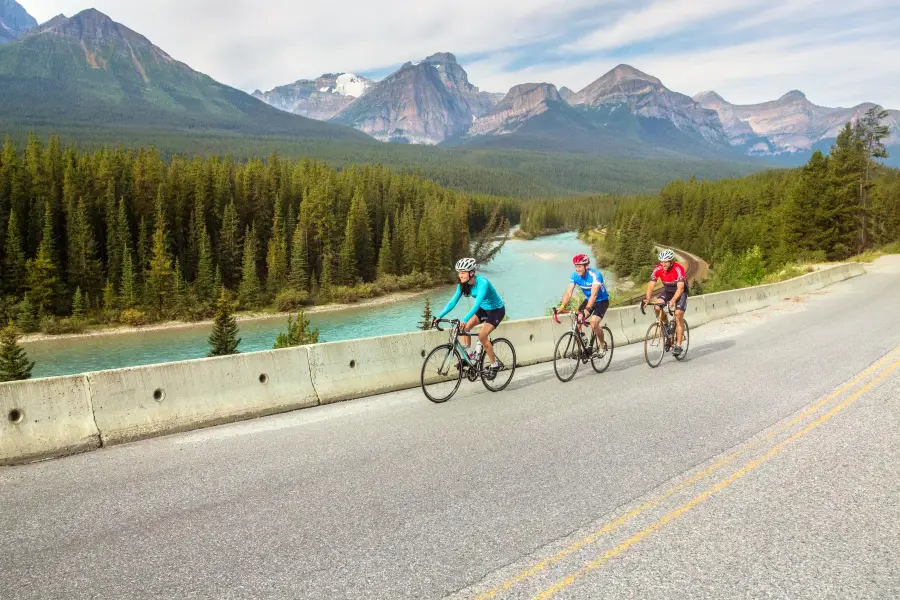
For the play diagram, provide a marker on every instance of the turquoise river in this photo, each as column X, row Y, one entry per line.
column 529, row 275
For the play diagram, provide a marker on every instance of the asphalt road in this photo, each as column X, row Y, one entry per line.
column 766, row 465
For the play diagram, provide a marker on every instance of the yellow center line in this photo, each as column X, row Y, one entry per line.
column 750, row 466
column 615, row 524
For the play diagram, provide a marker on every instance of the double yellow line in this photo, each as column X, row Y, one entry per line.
column 885, row 365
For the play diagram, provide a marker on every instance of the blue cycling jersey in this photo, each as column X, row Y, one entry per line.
column 587, row 281
column 485, row 295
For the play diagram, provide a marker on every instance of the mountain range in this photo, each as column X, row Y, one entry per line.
column 92, row 73
column 88, row 72
column 14, row 21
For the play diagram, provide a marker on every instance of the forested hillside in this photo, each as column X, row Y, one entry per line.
column 125, row 232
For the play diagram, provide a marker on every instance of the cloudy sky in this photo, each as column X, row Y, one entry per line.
column 839, row 53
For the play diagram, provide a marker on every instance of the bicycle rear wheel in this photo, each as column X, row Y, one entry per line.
column 566, row 357
column 441, row 373
column 601, row 363
column 685, row 342
column 506, row 356
column 654, row 345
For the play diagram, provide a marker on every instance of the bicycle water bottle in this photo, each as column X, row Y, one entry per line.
column 478, row 350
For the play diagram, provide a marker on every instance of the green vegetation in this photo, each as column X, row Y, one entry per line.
column 763, row 225
column 126, row 236
column 224, row 340
column 298, row 333
column 14, row 364
column 425, row 323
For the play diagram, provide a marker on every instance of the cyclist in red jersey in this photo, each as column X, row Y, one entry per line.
column 675, row 293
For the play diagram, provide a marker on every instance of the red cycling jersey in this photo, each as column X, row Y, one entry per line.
column 669, row 278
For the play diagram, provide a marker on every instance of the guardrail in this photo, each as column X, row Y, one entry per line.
column 57, row 416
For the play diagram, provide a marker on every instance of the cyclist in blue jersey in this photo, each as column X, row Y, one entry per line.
column 488, row 308
column 596, row 296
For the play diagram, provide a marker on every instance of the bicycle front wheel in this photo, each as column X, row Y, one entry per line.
column 600, row 360
column 654, row 345
column 506, row 356
column 685, row 342
column 442, row 373
column 566, row 357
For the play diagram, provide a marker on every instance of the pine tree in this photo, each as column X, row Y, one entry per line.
column 14, row 363
column 205, row 270
column 84, row 266
column 276, row 258
column 385, row 253
column 160, row 274
column 230, row 247
column 249, row 288
column 128, row 289
column 109, row 296
column 14, row 259
column 425, row 323
column 77, row 304
column 223, row 339
column 326, row 280
column 299, row 278
column 298, row 333
column 26, row 318
column 42, row 277
column 356, row 249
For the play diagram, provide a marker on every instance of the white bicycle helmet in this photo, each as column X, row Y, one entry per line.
column 466, row 264
column 666, row 255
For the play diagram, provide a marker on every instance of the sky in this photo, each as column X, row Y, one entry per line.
column 839, row 53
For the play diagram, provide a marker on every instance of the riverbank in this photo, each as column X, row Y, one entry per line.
column 245, row 316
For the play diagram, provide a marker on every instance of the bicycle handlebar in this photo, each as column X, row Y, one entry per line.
column 437, row 325
column 556, row 312
column 662, row 304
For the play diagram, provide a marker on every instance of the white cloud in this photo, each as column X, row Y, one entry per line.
column 837, row 52
column 262, row 44
column 661, row 17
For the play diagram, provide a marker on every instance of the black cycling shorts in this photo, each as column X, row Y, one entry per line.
column 491, row 316
column 598, row 309
column 682, row 301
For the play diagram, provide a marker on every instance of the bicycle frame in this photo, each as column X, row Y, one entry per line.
column 577, row 323
column 455, row 334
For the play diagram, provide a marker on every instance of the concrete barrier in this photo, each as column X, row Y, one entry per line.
column 44, row 418
column 139, row 402
column 63, row 415
column 533, row 339
column 364, row 367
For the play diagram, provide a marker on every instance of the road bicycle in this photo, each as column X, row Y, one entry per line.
column 445, row 366
column 573, row 349
column 660, row 337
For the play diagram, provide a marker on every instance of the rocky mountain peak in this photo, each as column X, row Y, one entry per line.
column 92, row 26
column 14, row 20
column 522, row 102
column 710, row 98
column 441, row 58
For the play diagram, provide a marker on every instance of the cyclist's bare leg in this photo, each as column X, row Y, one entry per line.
column 469, row 325
column 661, row 315
column 484, row 335
column 679, row 327
column 598, row 331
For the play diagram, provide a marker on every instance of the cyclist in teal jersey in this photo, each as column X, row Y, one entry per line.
column 596, row 296
column 488, row 308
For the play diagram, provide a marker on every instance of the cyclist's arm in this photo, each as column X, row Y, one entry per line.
column 480, row 294
column 654, row 277
column 681, row 283
column 678, row 292
column 595, row 290
column 452, row 304
column 567, row 296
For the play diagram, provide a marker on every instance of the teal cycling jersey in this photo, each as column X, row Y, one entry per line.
column 587, row 281
column 485, row 295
